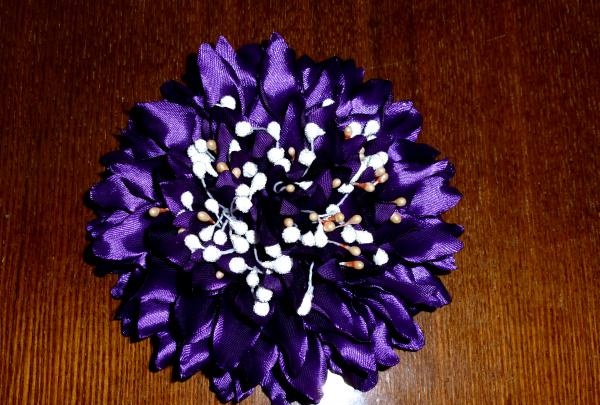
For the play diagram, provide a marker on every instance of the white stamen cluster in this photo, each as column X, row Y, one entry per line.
column 226, row 237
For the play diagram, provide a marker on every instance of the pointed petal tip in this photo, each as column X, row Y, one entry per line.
column 277, row 42
column 223, row 42
column 275, row 36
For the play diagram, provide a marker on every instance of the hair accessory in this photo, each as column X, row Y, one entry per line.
column 272, row 219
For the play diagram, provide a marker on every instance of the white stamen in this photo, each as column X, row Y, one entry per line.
column 193, row 154
column 305, row 185
column 187, row 199
column 251, row 237
column 332, row 209
column 237, row 265
column 306, row 157
column 312, row 131
column 211, row 254
column 243, row 129
column 320, row 237
column 308, row 239
column 275, row 154
column 282, row 265
column 202, row 165
column 200, row 145
column 291, row 234
column 249, row 169
column 372, row 127
column 364, row 237
column 243, row 204
column 285, row 163
column 263, row 294
column 273, row 250
column 346, row 188
column 258, row 183
column 212, row 206
column 306, row 304
column 349, row 234
column 206, row 234
column 199, row 170
column 378, row 160
column 239, row 227
column 192, row 243
column 261, row 308
column 240, row 245
column 227, row 102
column 381, row 257
column 242, row 190
column 234, row 146
column 208, row 165
column 327, row 102
column 220, row 237
column 252, row 279
column 356, row 128
column 268, row 264
column 274, row 129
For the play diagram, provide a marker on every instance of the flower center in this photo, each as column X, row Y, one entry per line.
column 229, row 234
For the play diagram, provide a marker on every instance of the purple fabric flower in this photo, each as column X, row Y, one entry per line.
column 273, row 219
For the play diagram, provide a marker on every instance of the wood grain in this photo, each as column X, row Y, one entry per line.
column 510, row 92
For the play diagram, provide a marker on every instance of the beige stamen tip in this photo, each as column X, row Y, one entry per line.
column 328, row 226
column 368, row 187
column 379, row 172
column 396, row 218
column 336, row 183
column 221, row 167
column 400, row 201
column 348, row 132
column 383, row 178
column 203, row 216
column 313, row 216
column 339, row 217
column 354, row 220
column 354, row 250
column 355, row 264
column 211, row 145
column 236, row 171
column 219, row 274
column 288, row 222
column 290, row 188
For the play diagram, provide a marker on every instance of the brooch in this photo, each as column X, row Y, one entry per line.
column 271, row 219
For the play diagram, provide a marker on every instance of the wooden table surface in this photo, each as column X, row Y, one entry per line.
column 510, row 92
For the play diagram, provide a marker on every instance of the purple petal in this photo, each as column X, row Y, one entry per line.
column 112, row 193
column 428, row 244
column 434, row 197
column 292, row 341
column 164, row 350
column 124, row 241
column 309, row 381
column 218, row 78
column 278, row 76
column 232, row 337
column 171, row 125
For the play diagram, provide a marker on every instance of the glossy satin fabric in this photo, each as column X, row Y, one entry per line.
column 201, row 323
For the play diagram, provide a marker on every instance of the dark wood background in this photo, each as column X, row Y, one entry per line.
column 510, row 92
